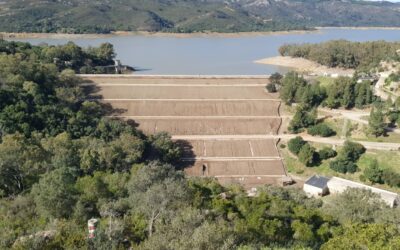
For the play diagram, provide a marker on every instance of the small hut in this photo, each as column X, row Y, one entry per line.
column 316, row 186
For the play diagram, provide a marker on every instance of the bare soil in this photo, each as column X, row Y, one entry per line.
column 230, row 148
column 211, row 106
column 183, row 92
column 215, row 126
column 196, row 108
column 240, row 168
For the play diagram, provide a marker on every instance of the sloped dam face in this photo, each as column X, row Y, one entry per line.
column 225, row 125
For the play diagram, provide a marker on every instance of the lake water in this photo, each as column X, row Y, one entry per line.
column 201, row 55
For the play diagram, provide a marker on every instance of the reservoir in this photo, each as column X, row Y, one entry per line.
column 215, row 54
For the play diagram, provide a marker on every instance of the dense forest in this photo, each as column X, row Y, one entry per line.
column 362, row 56
column 104, row 16
column 62, row 162
column 69, row 56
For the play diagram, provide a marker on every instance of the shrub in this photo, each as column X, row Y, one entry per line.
column 321, row 129
column 343, row 166
column 373, row 173
column 327, row 153
column 391, row 178
column 271, row 88
column 307, row 155
column 296, row 144
column 352, row 151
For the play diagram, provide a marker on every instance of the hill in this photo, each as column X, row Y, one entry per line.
column 103, row 16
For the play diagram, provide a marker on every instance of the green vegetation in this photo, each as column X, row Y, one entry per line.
column 181, row 16
column 68, row 56
column 321, row 129
column 347, row 93
column 303, row 118
column 102, row 16
column 343, row 92
column 296, row 144
column 327, row 153
column 362, row 56
column 345, row 162
column 307, row 154
column 62, row 162
column 347, row 158
column 375, row 174
column 271, row 88
column 376, row 122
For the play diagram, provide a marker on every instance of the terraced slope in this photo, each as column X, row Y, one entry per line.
column 220, row 123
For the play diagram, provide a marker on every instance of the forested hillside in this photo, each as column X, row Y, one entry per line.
column 346, row 54
column 102, row 16
column 62, row 162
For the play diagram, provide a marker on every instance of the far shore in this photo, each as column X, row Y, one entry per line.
column 26, row 35
column 305, row 66
column 360, row 28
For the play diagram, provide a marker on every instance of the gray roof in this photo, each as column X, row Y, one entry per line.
column 318, row 181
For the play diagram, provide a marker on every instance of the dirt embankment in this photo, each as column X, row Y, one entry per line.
column 305, row 66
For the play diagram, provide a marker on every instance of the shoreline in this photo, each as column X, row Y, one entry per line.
column 27, row 35
column 359, row 28
column 305, row 66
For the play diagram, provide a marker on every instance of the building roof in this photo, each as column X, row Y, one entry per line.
column 317, row 181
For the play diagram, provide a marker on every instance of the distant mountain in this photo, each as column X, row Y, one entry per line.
column 103, row 16
column 324, row 12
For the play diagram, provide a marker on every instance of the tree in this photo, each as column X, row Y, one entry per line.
column 165, row 149
column 290, row 85
column 195, row 232
column 364, row 236
column 155, row 190
column 326, row 153
column 321, row 129
column 352, row 150
column 307, row 155
column 373, row 173
column 303, row 118
column 355, row 205
column 54, row 194
column 63, row 151
column 125, row 151
column 271, row 88
column 276, row 78
column 296, row 144
column 376, row 122
column 22, row 160
column 348, row 94
column 343, row 165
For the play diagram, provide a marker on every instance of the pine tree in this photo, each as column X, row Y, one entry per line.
column 377, row 126
column 348, row 95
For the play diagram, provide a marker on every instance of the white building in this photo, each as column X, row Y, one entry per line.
column 339, row 185
column 316, row 186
